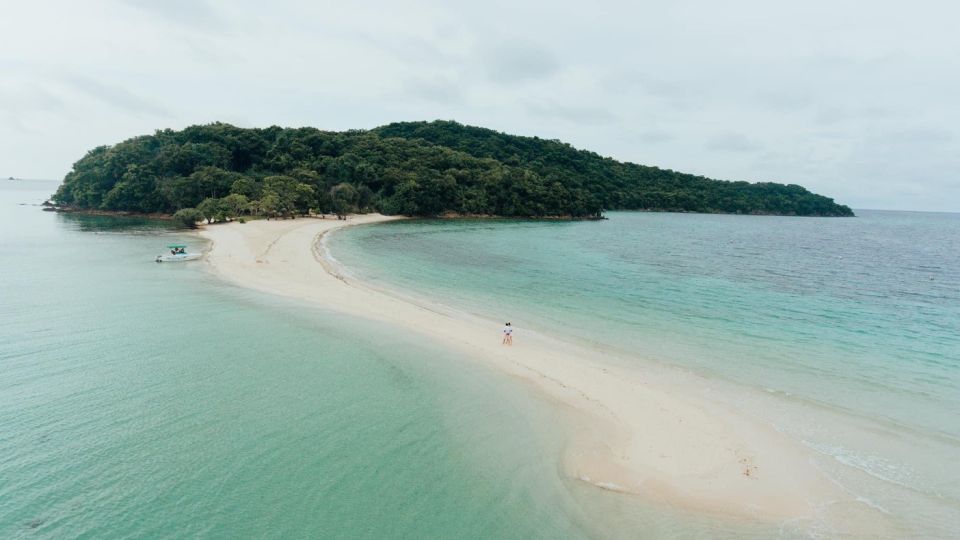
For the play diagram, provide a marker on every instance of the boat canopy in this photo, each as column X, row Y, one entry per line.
column 174, row 246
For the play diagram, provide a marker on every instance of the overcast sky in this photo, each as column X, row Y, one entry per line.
column 856, row 100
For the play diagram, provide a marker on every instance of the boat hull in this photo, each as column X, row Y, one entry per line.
column 178, row 258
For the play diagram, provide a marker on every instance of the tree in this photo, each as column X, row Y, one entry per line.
column 270, row 205
column 305, row 198
column 323, row 204
column 415, row 168
column 187, row 217
column 285, row 190
column 344, row 197
column 244, row 186
column 235, row 204
column 212, row 210
column 365, row 198
column 213, row 182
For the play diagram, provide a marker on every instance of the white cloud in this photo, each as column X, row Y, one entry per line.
column 732, row 142
column 856, row 101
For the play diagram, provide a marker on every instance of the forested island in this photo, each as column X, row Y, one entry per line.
column 218, row 172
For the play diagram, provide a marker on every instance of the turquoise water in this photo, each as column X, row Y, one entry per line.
column 845, row 333
column 141, row 400
column 153, row 401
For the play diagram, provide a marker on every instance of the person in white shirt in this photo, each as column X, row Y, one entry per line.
column 507, row 334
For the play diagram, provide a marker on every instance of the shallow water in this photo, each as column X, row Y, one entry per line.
column 844, row 333
column 151, row 400
column 146, row 400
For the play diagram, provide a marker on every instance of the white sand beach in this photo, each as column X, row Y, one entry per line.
column 630, row 431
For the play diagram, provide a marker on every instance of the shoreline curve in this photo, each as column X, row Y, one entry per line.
column 630, row 431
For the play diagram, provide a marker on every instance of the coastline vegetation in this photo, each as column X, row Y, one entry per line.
column 218, row 172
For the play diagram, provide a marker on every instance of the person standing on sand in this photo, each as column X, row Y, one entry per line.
column 507, row 334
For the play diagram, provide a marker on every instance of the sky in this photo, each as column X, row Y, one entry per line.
column 859, row 101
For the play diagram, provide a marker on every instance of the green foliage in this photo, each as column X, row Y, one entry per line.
column 212, row 210
column 287, row 195
column 244, row 186
column 269, row 205
column 413, row 168
column 344, row 197
column 577, row 180
column 187, row 217
column 235, row 205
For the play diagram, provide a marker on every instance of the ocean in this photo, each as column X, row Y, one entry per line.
column 144, row 400
column 844, row 333
column 153, row 400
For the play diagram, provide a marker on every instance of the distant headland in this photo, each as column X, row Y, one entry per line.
column 218, row 171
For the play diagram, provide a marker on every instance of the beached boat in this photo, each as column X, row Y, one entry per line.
column 178, row 253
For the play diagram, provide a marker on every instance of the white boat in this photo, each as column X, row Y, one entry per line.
column 178, row 253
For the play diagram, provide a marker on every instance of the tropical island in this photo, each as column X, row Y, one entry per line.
column 219, row 172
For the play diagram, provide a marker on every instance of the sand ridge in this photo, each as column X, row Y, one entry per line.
column 630, row 433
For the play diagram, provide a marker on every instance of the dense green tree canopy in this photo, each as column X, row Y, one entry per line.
column 412, row 168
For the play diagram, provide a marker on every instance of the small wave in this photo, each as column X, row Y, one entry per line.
column 875, row 466
column 322, row 253
column 872, row 504
column 610, row 486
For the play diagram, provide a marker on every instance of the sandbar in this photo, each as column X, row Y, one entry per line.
column 630, row 431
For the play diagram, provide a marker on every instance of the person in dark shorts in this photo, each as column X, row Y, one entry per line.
column 507, row 334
